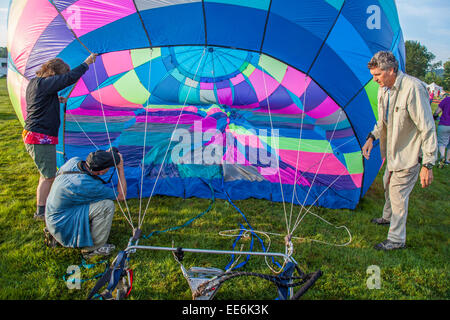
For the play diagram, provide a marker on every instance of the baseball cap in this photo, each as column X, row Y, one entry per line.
column 101, row 159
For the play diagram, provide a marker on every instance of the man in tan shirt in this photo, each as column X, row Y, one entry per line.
column 408, row 142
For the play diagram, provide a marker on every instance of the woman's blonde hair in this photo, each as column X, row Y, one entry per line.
column 52, row 68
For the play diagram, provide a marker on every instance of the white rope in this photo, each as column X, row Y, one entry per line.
column 237, row 232
column 170, row 141
column 289, row 249
column 317, row 199
column 145, row 138
column 308, row 211
column 315, row 175
column 245, row 233
column 128, row 215
column 298, row 153
column 315, row 163
column 97, row 148
column 87, row 136
column 274, row 148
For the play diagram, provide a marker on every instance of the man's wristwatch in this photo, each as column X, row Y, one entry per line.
column 429, row 166
column 370, row 135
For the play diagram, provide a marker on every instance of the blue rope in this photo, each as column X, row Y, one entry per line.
column 240, row 235
column 234, row 245
column 249, row 227
column 87, row 266
column 189, row 221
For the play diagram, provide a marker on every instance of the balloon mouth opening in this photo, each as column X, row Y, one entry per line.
column 219, row 94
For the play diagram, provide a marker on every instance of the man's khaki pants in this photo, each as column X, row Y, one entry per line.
column 101, row 214
column 397, row 188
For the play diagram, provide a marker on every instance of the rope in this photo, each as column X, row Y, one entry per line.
column 317, row 171
column 329, row 186
column 187, row 222
column 278, row 162
column 127, row 217
column 170, row 142
column 145, row 136
column 86, row 266
column 82, row 130
column 276, row 280
column 243, row 232
column 239, row 232
column 297, row 221
column 298, row 153
column 253, row 234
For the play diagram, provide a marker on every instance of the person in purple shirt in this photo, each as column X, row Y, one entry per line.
column 443, row 131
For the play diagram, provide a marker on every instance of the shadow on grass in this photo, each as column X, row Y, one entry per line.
column 7, row 116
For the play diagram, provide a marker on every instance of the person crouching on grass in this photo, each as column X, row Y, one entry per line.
column 80, row 205
column 40, row 134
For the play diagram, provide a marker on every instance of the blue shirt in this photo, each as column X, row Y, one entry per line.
column 67, row 209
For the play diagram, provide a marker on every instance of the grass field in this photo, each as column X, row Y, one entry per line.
column 29, row 270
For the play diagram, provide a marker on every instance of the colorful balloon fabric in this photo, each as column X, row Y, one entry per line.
column 263, row 99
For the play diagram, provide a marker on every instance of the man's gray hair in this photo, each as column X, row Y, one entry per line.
column 384, row 60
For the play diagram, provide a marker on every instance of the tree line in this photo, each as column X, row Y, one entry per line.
column 3, row 52
column 419, row 63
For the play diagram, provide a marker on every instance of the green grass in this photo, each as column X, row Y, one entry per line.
column 30, row 270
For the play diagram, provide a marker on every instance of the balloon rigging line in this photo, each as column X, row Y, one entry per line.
column 84, row 132
column 145, row 136
column 296, row 237
column 278, row 161
column 128, row 215
column 97, row 148
column 328, row 187
column 279, row 173
column 298, row 152
column 295, row 182
column 317, row 171
column 170, row 142
column 266, row 233
column 307, row 211
column 327, row 155
column 245, row 234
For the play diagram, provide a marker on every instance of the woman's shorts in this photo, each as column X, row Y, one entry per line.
column 443, row 135
column 44, row 156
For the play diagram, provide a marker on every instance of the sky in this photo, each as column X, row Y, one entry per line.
column 426, row 21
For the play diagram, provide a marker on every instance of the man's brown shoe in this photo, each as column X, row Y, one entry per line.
column 380, row 221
